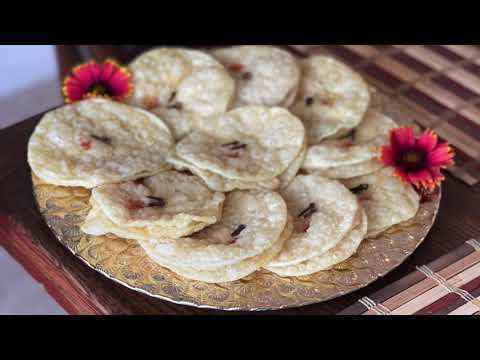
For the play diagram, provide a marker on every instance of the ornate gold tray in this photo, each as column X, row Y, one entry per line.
column 125, row 262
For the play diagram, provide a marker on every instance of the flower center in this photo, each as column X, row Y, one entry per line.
column 99, row 90
column 413, row 160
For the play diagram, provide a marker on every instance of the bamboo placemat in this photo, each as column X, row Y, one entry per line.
column 442, row 82
column 447, row 286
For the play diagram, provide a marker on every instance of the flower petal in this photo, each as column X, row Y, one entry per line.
column 388, row 156
column 120, row 84
column 403, row 138
column 422, row 178
column 87, row 74
column 95, row 71
column 72, row 90
column 428, row 141
column 108, row 70
column 441, row 157
column 402, row 174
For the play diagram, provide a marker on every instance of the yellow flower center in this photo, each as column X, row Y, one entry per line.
column 99, row 89
column 412, row 161
column 412, row 157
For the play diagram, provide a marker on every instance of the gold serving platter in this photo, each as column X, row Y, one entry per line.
column 124, row 261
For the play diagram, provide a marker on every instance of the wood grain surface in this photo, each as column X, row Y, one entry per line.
column 81, row 290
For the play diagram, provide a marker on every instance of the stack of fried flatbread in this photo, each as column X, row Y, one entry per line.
column 224, row 163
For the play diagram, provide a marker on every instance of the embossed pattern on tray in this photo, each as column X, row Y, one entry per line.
column 124, row 261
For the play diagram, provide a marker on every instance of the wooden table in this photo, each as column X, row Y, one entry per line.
column 81, row 290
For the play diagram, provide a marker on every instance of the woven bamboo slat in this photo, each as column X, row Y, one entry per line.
column 440, row 82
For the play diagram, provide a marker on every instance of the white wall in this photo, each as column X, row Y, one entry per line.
column 29, row 84
column 29, row 81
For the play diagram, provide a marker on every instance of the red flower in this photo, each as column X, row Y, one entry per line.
column 418, row 161
column 89, row 80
